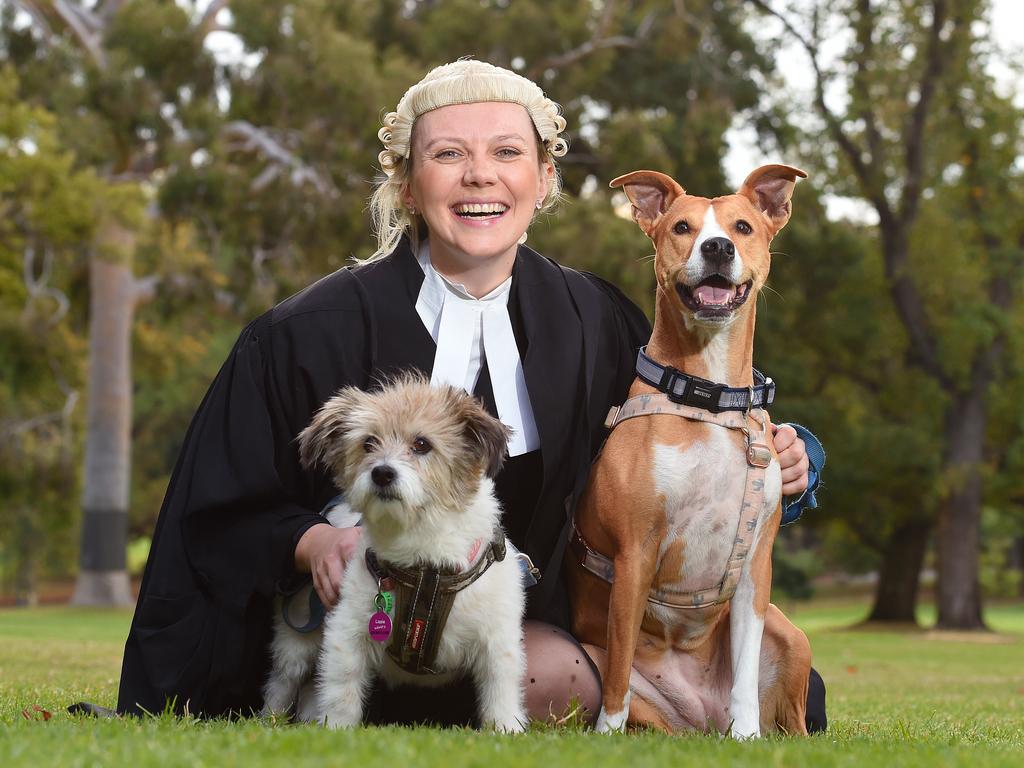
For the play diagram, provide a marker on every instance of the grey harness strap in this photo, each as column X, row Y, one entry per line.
column 753, row 425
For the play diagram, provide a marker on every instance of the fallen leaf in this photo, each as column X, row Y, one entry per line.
column 29, row 714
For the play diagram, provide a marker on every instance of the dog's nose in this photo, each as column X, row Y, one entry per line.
column 718, row 250
column 383, row 475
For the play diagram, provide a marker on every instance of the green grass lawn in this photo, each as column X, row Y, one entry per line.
column 895, row 698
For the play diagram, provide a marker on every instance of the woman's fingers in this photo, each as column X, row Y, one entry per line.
column 793, row 460
column 326, row 587
column 794, row 477
column 325, row 551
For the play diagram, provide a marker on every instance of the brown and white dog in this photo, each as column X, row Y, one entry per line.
column 663, row 503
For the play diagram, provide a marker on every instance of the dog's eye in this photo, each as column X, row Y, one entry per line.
column 421, row 445
column 743, row 227
column 371, row 444
column 681, row 228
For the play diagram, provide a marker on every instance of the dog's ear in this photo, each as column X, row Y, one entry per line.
column 486, row 436
column 651, row 194
column 322, row 442
column 770, row 188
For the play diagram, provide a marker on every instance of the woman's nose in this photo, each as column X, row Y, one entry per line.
column 480, row 170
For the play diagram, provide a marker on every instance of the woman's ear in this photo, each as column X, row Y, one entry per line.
column 407, row 199
column 547, row 178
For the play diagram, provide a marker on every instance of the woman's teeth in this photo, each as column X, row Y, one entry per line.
column 480, row 210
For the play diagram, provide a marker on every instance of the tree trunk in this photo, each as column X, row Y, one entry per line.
column 27, row 541
column 899, row 576
column 103, row 576
column 958, row 537
column 1015, row 562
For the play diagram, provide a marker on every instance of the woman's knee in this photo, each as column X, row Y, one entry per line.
column 558, row 674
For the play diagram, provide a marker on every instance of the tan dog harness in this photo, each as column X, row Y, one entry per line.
column 753, row 424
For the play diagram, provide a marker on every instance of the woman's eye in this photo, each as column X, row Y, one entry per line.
column 743, row 227
column 681, row 228
column 446, row 154
column 509, row 152
column 371, row 444
column 421, row 446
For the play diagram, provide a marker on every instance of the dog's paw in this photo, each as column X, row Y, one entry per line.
column 744, row 731
column 514, row 724
column 277, row 701
column 614, row 723
column 342, row 710
column 340, row 720
column 611, row 723
column 307, row 709
column 746, row 719
column 269, row 711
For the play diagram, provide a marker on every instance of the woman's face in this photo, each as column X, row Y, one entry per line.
column 476, row 177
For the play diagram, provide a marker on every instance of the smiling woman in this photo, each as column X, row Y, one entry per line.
column 452, row 293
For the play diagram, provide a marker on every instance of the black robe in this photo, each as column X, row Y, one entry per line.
column 238, row 501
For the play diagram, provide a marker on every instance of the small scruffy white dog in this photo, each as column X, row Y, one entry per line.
column 416, row 462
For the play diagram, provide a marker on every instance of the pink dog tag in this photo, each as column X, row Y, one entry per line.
column 380, row 627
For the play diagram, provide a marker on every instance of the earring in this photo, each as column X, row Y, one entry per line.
column 540, row 202
column 412, row 210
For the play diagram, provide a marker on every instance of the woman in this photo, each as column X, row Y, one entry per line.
column 469, row 159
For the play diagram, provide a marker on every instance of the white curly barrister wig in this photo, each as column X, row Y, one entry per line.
column 466, row 81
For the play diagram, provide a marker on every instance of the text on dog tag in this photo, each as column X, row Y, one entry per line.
column 380, row 627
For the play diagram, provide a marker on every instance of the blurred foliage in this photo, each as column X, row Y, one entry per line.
column 229, row 231
column 46, row 210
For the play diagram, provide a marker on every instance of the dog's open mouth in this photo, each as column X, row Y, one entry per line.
column 714, row 296
column 387, row 494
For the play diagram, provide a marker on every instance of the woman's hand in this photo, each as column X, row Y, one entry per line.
column 323, row 551
column 792, row 459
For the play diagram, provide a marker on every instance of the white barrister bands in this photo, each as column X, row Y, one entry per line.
column 467, row 332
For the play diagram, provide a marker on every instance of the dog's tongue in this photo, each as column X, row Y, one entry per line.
column 711, row 294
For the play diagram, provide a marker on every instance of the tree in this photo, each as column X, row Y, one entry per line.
column 124, row 81
column 45, row 210
column 913, row 71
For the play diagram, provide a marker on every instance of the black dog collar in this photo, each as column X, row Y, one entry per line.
column 701, row 393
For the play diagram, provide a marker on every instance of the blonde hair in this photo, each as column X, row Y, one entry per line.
column 466, row 81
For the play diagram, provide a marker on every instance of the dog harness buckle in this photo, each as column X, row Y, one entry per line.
column 701, row 393
column 758, row 455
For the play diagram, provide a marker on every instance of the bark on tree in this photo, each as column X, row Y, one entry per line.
column 958, row 536
column 103, row 575
column 26, row 578
column 899, row 576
